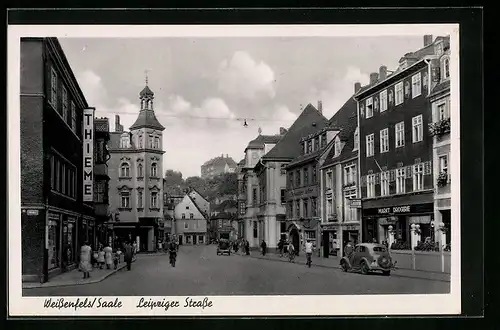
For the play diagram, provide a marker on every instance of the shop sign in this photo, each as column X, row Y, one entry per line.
column 88, row 155
column 32, row 212
column 351, row 227
column 394, row 210
column 399, row 210
column 355, row 203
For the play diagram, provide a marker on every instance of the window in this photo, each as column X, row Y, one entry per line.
column 305, row 208
column 186, row 225
column 329, row 207
column 446, row 68
column 309, row 146
column 329, row 180
column 418, row 177
column 100, row 190
column 154, row 199
column 191, row 216
column 439, row 49
column 139, row 200
column 200, row 239
column 443, row 164
column 351, row 213
column 314, row 175
column 297, row 178
column 337, row 147
column 316, row 143
column 369, row 107
column 290, row 179
column 65, row 105
column 125, row 199
column 53, row 89
column 442, row 111
column 314, row 207
column 370, row 145
column 399, row 93
column 306, row 175
column 183, row 216
column 73, row 117
column 242, row 208
column 254, row 195
column 323, row 140
column 255, row 230
column 400, row 134
column 356, row 139
column 125, row 142
column 384, row 183
column 125, row 170
column 370, row 186
column 151, row 141
column 283, row 196
column 416, row 85
column 400, row 180
column 154, row 170
column 156, row 144
column 384, row 140
column 63, row 177
column 350, row 174
column 418, row 131
column 383, row 100
column 297, row 208
column 140, row 172
column 140, row 142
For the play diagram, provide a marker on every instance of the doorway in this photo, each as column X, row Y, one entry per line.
column 194, row 239
column 294, row 236
column 180, row 239
column 326, row 244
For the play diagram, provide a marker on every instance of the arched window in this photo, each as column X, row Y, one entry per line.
column 140, row 173
column 125, row 170
column 140, row 142
column 154, row 170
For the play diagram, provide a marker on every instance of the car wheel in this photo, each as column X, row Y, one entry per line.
column 386, row 273
column 364, row 268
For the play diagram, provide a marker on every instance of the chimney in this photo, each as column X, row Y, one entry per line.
column 382, row 73
column 118, row 127
column 357, row 87
column 283, row 131
column 320, row 106
column 427, row 40
column 373, row 78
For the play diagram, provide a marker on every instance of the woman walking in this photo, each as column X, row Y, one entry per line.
column 108, row 256
column 101, row 257
column 85, row 260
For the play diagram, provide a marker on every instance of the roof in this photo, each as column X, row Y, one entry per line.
column 221, row 161
column 146, row 92
column 261, row 140
column 227, row 204
column 288, row 146
column 147, row 119
column 441, row 87
column 242, row 162
column 197, row 207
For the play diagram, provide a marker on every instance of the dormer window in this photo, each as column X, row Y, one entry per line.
column 337, row 147
column 309, row 146
column 125, row 141
column 439, row 49
column 369, row 107
column 323, row 140
column 446, row 68
column 316, row 143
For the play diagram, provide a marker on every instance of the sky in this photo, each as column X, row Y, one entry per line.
column 206, row 88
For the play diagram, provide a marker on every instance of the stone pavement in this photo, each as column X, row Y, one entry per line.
column 334, row 262
column 75, row 277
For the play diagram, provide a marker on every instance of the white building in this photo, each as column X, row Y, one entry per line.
column 190, row 221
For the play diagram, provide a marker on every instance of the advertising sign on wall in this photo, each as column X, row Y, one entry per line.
column 88, row 155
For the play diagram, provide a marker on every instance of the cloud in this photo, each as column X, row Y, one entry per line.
column 281, row 112
column 92, row 86
column 243, row 77
column 338, row 89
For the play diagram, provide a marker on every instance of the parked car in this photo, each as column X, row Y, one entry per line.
column 224, row 247
column 368, row 257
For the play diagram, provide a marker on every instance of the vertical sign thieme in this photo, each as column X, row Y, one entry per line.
column 88, row 155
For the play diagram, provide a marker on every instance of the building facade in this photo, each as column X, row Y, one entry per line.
column 242, row 199
column 340, row 206
column 191, row 223
column 440, row 130
column 136, row 177
column 395, row 156
column 217, row 166
column 55, row 218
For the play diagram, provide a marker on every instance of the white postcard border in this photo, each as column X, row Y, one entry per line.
column 231, row 305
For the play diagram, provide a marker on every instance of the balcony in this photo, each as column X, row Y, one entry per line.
column 440, row 128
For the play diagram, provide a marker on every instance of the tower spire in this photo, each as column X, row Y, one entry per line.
column 146, row 75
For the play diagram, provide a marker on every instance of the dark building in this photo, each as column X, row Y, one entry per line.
column 395, row 157
column 55, row 219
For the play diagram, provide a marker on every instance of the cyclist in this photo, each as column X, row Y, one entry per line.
column 172, row 249
column 291, row 252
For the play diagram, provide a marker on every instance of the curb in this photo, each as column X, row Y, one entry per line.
column 100, row 279
column 338, row 267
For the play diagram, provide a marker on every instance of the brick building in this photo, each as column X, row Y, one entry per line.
column 395, row 156
column 55, row 218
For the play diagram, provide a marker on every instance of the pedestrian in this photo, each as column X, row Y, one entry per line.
column 291, row 251
column 95, row 256
column 263, row 245
column 247, row 248
column 134, row 249
column 116, row 258
column 280, row 247
column 349, row 248
column 85, row 260
column 100, row 257
column 236, row 246
column 129, row 252
column 308, row 247
column 108, row 256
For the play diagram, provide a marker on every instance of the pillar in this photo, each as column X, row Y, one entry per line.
column 340, row 239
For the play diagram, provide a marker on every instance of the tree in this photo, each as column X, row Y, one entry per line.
column 173, row 177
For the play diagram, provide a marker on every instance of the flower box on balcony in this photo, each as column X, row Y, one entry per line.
column 442, row 179
column 349, row 184
column 440, row 128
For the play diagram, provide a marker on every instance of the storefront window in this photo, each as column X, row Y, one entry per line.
column 69, row 240
column 200, row 239
column 188, row 239
column 54, row 241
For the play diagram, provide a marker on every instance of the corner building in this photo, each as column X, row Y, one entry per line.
column 136, row 178
column 395, row 157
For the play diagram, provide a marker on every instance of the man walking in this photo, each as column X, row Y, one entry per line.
column 129, row 252
column 309, row 250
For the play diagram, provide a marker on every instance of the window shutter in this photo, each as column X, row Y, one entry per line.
column 427, row 168
column 377, row 178
column 363, row 181
column 409, row 171
column 392, row 175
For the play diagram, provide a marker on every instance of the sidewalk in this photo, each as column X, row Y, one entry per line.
column 75, row 277
column 334, row 262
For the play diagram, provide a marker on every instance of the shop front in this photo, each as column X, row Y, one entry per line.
column 400, row 226
column 330, row 239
